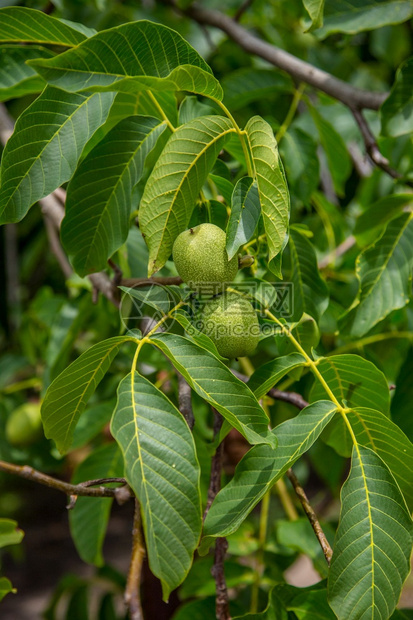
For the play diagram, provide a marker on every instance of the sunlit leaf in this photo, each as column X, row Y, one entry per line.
column 261, row 467
column 34, row 161
column 162, row 469
column 272, row 186
column 69, row 393
column 99, row 196
column 245, row 213
column 384, row 271
column 216, row 384
column 23, row 25
column 136, row 56
column 173, row 186
column 373, row 542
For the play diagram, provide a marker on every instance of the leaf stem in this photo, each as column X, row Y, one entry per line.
column 241, row 137
column 161, row 112
column 298, row 93
column 313, row 367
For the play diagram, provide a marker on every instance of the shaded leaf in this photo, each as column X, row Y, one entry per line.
column 216, row 384
column 267, row 375
column 246, row 85
column 401, row 404
column 272, row 186
column 191, row 108
column 23, row 25
column 17, row 78
column 376, row 431
column 91, row 423
column 69, row 393
column 309, row 289
column 352, row 16
column 9, row 533
column 384, row 271
column 134, row 56
column 245, row 213
column 34, row 161
column 315, row 9
column 99, row 196
column 371, row 223
column 338, row 158
column 89, row 518
column 172, row 189
column 5, row 587
column 299, row 153
column 355, row 382
column 373, row 542
column 162, row 469
column 397, row 111
column 261, row 467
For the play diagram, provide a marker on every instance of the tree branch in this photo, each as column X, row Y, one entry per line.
column 132, row 592
column 300, row 70
column 371, row 145
column 221, row 545
column 185, row 401
column 289, row 397
column 82, row 489
column 311, row 515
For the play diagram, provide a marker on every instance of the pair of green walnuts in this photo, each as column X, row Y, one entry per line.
column 230, row 320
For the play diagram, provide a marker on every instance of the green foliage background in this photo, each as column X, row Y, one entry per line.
column 150, row 130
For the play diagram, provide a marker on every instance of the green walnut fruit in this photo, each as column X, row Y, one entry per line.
column 24, row 426
column 201, row 259
column 232, row 324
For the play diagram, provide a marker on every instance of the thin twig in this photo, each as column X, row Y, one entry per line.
column 185, row 401
column 24, row 471
column 216, row 464
column 300, row 70
column 56, row 248
column 311, row 515
column 371, row 145
column 341, row 249
column 244, row 7
column 132, row 592
column 289, row 397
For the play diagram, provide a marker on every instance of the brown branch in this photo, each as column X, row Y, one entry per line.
column 341, row 249
column 82, row 489
column 289, row 397
column 221, row 602
column 132, row 592
column 185, row 401
column 56, row 248
column 221, row 545
column 244, row 7
column 300, row 70
column 311, row 515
